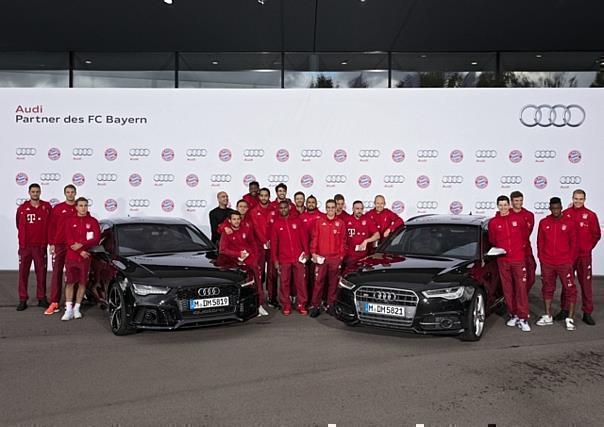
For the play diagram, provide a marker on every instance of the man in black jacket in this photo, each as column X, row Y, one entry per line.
column 219, row 214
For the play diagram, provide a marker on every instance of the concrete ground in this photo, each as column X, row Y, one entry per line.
column 295, row 371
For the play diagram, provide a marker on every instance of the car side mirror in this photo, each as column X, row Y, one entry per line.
column 97, row 250
column 495, row 252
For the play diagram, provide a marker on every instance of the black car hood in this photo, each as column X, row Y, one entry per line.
column 179, row 269
column 411, row 272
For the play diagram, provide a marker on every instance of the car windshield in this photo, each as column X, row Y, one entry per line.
column 138, row 239
column 441, row 240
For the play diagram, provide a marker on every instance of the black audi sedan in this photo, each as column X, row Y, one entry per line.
column 164, row 273
column 436, row 275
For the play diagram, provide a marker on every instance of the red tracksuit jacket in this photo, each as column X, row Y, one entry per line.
column 32, row 223
column 246, row 225
column 84, row 230
column 556, row 241
column 587, row 227
column 385, row 220
column 509, row 232
column 262, row 218
column 358, row 230
column 308, row 222
column 60, row 214
column 240, row 239
column 252, row 201
column 293, row 212
column 329, row 238
column 288, row 240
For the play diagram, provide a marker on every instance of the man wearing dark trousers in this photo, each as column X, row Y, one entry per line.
column 218, row 215
column 290, row 253
column 557, row 248
column 33, row 217
column 588, row 231
column 328, row 248
column 58, row 245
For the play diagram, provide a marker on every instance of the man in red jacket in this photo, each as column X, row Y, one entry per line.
column 556, row 248
column 588, row 231
column 517, row 199
column 385, row 220
column 299, row 199
column 308, row 218
column 252, row 197
column 58, row 245
column 290, row 253
column 240, row 245
column 82, row 232
column 341, row 207
column 328, row 247
column 262, row 217
column 509, row 231
column 360, row 232
column 281, row 190
column 33, row 217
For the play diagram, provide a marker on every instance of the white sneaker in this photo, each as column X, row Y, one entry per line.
column 68, row 315
column 570, row 324
column 524, row 325
column 262, row 311
column 77, row 314
column 513, row 321
column 545, row 320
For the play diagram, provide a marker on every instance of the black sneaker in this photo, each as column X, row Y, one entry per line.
column 588, row 319
column 43, row 303
column 22, row 305
column 561, row 316
column 314, row 311
column 331, row 310
column 274, row 304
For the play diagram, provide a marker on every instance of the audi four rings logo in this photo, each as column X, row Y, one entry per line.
column 50, row 177
column 486, row 154
column 456, row 156
column 485, row 205
column 253, row 152
column 139, row 152
column 340, row 155
column 557, row 115
column 427, row 204
column 398, row 156
column 309, row 154
column 196, row 203
column 394, row 179
column 196, row 152
column 574, row 156
column 275, row 179
column 369, row 154
column 456, row 207
column 209, row 292
column 106, row 177
column 220, row 178
column 511, row 179
column 139, row 203
column 163, row 177
column 545, row 154
column 541, row 206
column 427, row 154
column 452, row 179
column 570, row 180
column 385, row 296
column 26, row 151
column 335, row 179
column 82, row 152
column 307, row 181
column 54, row 153
column 368, row 204
column 21, row 178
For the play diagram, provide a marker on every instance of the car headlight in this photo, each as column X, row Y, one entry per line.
column 446, row 293
column 246, row 284
column 149, row 290
column 343, row 283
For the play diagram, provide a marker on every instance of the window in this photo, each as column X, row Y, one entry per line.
column 34, row 69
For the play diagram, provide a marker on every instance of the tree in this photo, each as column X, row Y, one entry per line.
column 322, row 82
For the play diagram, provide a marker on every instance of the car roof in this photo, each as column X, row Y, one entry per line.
column 477, row 220
column 145, row 220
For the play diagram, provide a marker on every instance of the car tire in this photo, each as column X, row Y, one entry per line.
column 116, row 308
column 475, row 317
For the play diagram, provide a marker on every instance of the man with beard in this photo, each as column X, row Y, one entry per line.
column 252, row 197
column 281, row 190
column 360, row 232
column 299, row 202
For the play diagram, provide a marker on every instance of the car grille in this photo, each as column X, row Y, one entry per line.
column 183, row 295
column 387, row 296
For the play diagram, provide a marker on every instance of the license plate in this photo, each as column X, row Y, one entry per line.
column 388, row 310
column 196, row 304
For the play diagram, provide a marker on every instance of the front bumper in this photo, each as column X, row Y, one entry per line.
column 431, row 315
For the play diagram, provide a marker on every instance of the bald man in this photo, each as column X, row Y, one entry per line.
column 219, row 214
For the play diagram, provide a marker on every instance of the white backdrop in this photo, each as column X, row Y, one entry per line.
column 168, row 152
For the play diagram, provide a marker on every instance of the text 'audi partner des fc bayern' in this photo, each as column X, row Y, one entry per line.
column 437, row 275
column 163, row 273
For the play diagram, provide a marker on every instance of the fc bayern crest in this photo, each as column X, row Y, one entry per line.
column 54, row 153
column 365, row 181
column 110, row 205
column 456, row 207
column 78, row 179
column 540, row 182
column 21, row 178
column 225, row 155
column 167, row 154
column 282, row 155
column 574, row 156
column 167, row 205
column 456, row 156
column 192, row 180
column 307, row 181
column 515, row 156
column 340, row 155
column 110, row 154
column 398, row 156
column 398, row 207
column 423, row 181
column 481, row 182
column 135, row 180
column 248, row 178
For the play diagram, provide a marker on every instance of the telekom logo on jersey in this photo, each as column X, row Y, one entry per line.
column 31, row 218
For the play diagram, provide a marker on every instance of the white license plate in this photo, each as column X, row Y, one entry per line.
column 196, row 304
column 388, row 310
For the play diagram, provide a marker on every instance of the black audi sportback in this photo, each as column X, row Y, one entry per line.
column 164, row 273
column 436, row 275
